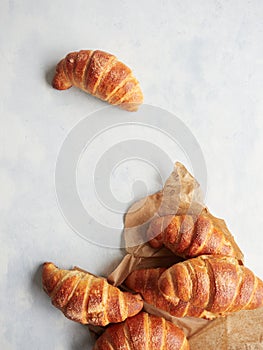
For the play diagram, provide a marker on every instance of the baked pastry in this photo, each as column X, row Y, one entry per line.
column 216, row 284
column 190, row 236
column 100, row 74
column 145, row 282
column 87, row 299
column 143, row 331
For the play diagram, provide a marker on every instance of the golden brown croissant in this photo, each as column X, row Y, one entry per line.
column 143, row 331
column 216, row 284
column 145, row 282
column 100, row 74
column 87, row 299
column 189, row 236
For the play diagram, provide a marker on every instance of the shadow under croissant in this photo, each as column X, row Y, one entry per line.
column 49, row 74
column 81, row 341
column 37, row 278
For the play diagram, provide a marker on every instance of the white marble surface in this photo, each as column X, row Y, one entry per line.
column 200, row 60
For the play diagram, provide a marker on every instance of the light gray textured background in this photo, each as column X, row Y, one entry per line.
column 201, row 60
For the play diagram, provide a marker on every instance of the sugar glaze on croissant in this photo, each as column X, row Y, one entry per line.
column 190, row 236
column 143, row 331
column 216, row 284
column 87, row 299
column 100, row 74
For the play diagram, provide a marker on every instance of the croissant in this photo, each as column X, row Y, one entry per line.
column 143, row 331
column 99, row 74
column 145, row 282
column 216, row 284
column 189, row 236
column 87, row 299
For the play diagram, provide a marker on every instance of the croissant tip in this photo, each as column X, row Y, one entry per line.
column 60, row 84
column 48, row 263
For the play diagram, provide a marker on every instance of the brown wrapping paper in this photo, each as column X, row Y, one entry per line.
column 182, row 195
column 240, row 331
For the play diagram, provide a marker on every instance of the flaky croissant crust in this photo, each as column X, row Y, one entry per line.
column 146, row 281
column 190, row 236
column 87, row 299
column 207, row 287
column 214, row 283
column 100, row 74
column 143, row 331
